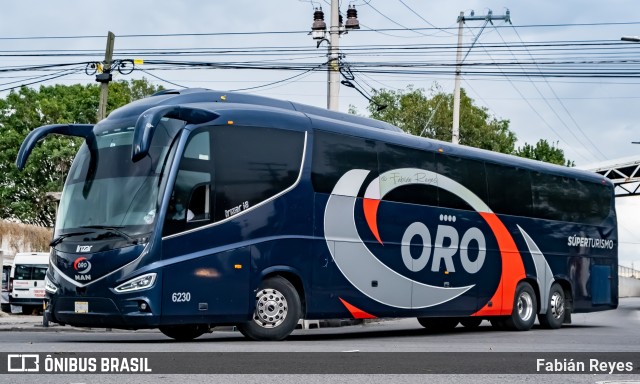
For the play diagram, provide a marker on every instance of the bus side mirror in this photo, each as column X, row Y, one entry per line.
column 148, row 121
column 79, row 130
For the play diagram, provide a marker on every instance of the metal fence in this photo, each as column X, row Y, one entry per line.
column 628, row 272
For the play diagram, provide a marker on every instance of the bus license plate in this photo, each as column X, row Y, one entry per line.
column 82, row 306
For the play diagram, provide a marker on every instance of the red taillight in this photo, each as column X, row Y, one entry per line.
column 10, row 284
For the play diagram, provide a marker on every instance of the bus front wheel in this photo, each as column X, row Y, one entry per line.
column 554, row 317
column 277, row 311
column 186, row 332
column 525, row 307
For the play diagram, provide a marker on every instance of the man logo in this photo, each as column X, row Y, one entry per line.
column 84, row 248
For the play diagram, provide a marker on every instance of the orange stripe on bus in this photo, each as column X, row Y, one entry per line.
column 370, row 207
column 512, row 270
column 357, row 313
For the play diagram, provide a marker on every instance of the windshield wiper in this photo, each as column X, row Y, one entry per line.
column 58, row 239
column 113, row 229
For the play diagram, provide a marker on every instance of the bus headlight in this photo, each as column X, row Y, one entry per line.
column 49, row 286
column 137, row 284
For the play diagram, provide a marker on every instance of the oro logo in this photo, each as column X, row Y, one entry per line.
column 82, row 265
column 445, row 234
column 356, row 262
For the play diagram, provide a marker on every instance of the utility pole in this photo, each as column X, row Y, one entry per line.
column 488, row 18
column 319, row 31
column 455, row 131
column 333, row 86
column 105, row 77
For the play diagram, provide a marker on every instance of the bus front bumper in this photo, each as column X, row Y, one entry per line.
column 100, row 312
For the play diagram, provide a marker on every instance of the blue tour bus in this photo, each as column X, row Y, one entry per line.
column 196, row 208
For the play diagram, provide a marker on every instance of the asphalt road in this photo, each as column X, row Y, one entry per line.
column 611, row 331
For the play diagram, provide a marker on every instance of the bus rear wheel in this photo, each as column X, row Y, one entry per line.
column 525, row 307
column 471, row 322
column 277, row 311
column 438, row 324
column 554, row 317
column 186, row 332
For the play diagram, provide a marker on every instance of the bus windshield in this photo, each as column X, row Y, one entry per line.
column 106, row 190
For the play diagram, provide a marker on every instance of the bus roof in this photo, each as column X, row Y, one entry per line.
column 201, row 95
column 342, row 123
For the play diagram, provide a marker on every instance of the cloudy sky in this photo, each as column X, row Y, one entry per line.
column 592, row 118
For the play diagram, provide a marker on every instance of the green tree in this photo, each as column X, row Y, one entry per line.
column 431, row 116
column 417, row 113
column 543, row 151
column 22, row 194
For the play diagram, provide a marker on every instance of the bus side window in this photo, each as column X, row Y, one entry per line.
column 252, row 164
column 335, row 154
column 189, row 206
column 199, row 203
column 509, row 190
column 393, row 157
column 470, row 173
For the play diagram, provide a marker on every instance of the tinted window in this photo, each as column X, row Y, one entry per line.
column 509, row 190
column 6, row 271
column 397, row 157
column 600, row 202
column 469, row 173
column 189, row 206
column 198, row 147
column 565, row 199
column 253, row 164
column 335, row 154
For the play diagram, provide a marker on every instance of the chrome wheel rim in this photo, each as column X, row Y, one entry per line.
column 271, row 308
column 557, row 305
column 525, row 306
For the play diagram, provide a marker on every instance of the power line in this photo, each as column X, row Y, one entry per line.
column 404, row 28
column 396, row 23
column 563, row 106
column 161, row 79
column 425, row 20
column 538, row 113
column 283, row 80
column 52, row 77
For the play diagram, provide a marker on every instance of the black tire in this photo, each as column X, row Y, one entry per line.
column 277, row 311
column 438, row 324
column 525, row 307
column 498, row 323
column 471, row 322
column 556, row 309
column 5, row 308
column 185, row 332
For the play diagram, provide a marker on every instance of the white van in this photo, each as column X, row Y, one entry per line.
column 26, row 283
column 4, row 296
